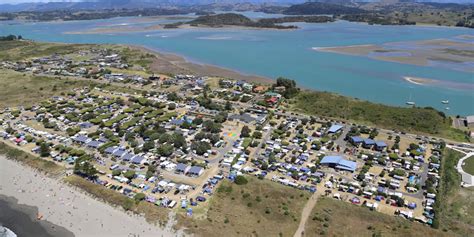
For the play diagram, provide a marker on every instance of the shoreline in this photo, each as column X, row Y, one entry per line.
column 21, row 219
column 172, row 63
column 63, row 205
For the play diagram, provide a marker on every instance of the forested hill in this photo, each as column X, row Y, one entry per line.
column 317, row 8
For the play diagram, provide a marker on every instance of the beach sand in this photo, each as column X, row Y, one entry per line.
column 70, row 208
column 174, row 64
column 420, row 53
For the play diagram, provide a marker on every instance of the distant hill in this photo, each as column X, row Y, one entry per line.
column 319, row 8
column 222, row 19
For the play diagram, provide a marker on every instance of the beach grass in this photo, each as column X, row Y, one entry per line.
column 258, row 208
column 419, row 120
column 152, row 213
column 42, row 165
column 331, row 217
column 455, row 211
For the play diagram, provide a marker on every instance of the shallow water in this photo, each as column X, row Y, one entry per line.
column 288, row 53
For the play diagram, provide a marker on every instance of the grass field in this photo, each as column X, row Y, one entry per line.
column 42, row 165
column 331, row 217
column 25, row 89
column 258, row 208
column 420, row 120
column 455, row 212
column 152, row 213
column 469, row 165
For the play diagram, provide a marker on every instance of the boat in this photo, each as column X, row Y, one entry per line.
column 410, row 102
column 445, row 101
column 447, row 108
column 5, row 232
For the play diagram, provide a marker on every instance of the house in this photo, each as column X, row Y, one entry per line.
column 338, row 162
column 85, row 125
column 470, row 121
column 380, row 145
column 138, row 160
column 355, row 140
column 182, row 168
column 81, row 139
column 368, row 143
column 127, row 156
column 119, row 152
column 246, row 118
column 335, row 128
column 195, row 171
column 93, row 144
column 272, row 100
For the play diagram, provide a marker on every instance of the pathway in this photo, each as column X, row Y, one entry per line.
column 467, row 178
column 307, row 209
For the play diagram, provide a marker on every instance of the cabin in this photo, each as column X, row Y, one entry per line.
column 380, row 145
column 368, row 143
column 355, row 140
column 182, row 168
column 195, row 171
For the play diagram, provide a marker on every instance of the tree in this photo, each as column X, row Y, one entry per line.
column 172, row 106
column 245, row 131
column 44, row 149
column 116, row 172
column 151, row 171
column 130, row 174
column 165, row 150
column 139, row 197
column 228, row 106
column 200, row 147
column 240, row 180
column 148, row 146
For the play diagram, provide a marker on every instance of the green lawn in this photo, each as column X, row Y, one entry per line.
column 469, row 165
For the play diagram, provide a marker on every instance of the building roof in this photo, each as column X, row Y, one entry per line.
column 119, row 152
column 137, row 159
column 470, row 119
column 94, row 144
column 110, row 150
column 195, row 170
column 369, row 142
column 380, row 143
column 357, row 139
column 80, row 138
column 181, row 167
column 127, row 156
column 335, row 128
column 340, row 163
column 246, row 118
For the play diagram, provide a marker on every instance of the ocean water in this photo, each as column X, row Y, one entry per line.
column 288, row 53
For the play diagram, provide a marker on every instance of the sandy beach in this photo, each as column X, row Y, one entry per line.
column 421, row 53
column 72, row 209
column 168, row 63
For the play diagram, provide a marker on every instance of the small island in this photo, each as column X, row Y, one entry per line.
column 233, row 19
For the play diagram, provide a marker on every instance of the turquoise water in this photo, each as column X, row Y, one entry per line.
column 274, row 53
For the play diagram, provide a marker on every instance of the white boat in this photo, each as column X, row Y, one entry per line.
column 410, row 102
column 445, row 101
column 5, row 232
column 447, row 108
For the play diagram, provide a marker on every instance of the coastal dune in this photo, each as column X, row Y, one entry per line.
column 67, row 207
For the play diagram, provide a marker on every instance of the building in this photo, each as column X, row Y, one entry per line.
column 182, row 168
column 335, row 128
column 380, row 145
column 470, row 121
column 368, row 143
column 355, row 140
column 340, row 163
column 195, row 171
